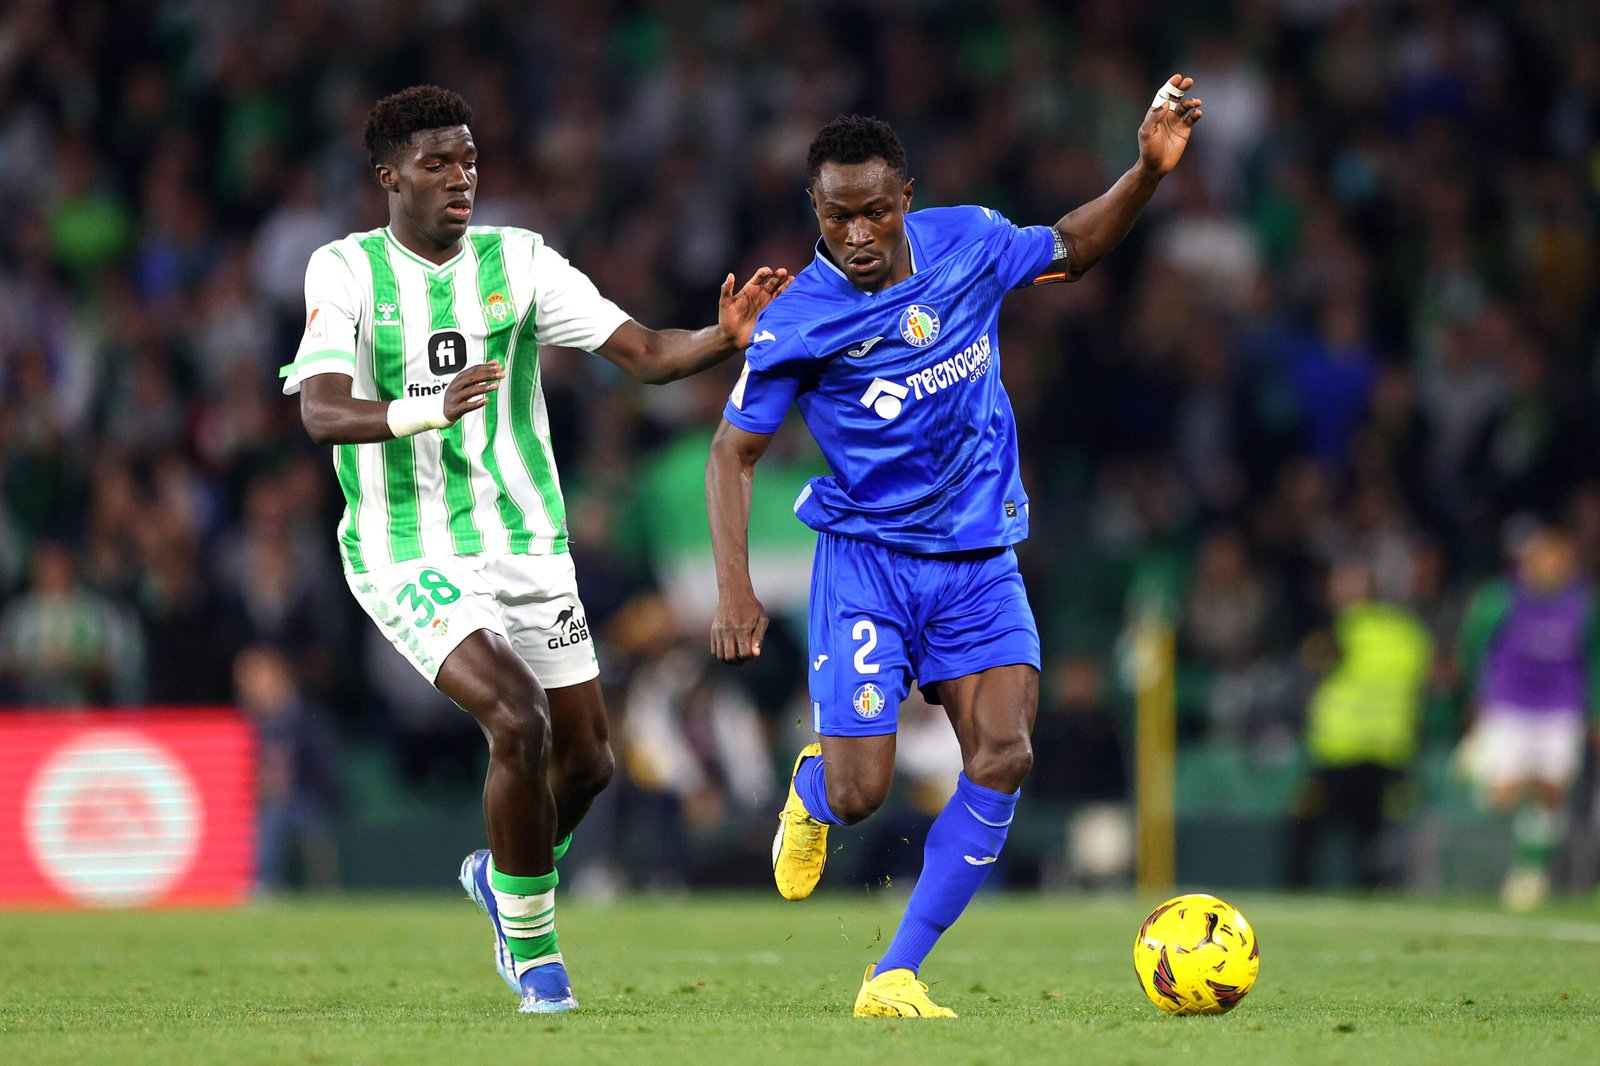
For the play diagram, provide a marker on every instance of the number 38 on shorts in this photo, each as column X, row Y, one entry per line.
column 880, row 618
column 427, row 607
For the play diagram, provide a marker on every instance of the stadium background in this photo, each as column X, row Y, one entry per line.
column 1359, row 321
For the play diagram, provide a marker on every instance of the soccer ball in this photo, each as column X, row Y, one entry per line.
column 1196, row 954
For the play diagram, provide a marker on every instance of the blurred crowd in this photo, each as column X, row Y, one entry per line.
column 1359, row 324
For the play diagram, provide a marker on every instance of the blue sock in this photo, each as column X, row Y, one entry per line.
column 813, row 791
column 971, row 827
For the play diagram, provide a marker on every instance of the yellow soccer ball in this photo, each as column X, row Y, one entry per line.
column 1196, row 954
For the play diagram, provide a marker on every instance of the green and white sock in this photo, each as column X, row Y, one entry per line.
column 528, row 915
column 1537, row 833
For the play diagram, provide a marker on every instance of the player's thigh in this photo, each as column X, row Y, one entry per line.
column 486, row 677
column 1557, row 744
column 428, row 607
column 544, row 618
column 992, row 712
column 1507, row 754
column 978, row 652
column 860, row 619
column 579, row 733
column 980, row 619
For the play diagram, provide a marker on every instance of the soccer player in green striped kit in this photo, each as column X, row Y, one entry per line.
column 420, row 366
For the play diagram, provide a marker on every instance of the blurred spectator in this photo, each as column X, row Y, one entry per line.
column 1226, row 606
column 1361, row 730
column 1080, row 770
column 1530, row 646
column 62, row 644
column 1370, row 328
column 299, row 775
column 694, row 751
column 1332, row 373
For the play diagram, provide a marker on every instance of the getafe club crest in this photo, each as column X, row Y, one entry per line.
column 868, row 701
column 919, row 325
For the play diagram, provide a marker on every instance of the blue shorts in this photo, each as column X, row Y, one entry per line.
column 880, row 618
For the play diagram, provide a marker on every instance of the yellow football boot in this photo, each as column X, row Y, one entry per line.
column 801, row 846
column 896, row 994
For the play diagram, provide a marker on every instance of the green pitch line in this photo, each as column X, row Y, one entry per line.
column 710, row 980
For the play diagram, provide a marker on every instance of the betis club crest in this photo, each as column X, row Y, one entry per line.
column 497, row 307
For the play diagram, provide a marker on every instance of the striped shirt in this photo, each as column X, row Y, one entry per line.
column 401, row 326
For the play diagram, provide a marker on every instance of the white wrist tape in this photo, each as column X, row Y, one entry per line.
column 1167, row 96
column 412, row 415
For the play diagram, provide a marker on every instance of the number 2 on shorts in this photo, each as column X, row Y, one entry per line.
column 865, row 630
column 438, row 589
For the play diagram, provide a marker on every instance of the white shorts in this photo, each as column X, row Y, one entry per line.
column 428, row 606
column 1512, row 747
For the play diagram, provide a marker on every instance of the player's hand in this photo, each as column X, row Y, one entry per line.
column 738, row 629
column 1164, row 133
column 737, row 311
column 471, row 389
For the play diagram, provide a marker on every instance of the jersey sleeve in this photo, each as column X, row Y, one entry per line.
column 1026, row 253
column 333, row 307
column 570, row 311
column 774, row 365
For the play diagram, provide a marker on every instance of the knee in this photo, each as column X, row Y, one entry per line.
column 518, row 726
column 1002, row 764
column 590, row 770
column 855, row 801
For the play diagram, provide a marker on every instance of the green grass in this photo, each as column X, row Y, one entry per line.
column 716, row 980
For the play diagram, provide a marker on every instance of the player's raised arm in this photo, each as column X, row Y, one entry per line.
column 1089, row 232
column 332, row 415
column 656, row 356
column 740, row 624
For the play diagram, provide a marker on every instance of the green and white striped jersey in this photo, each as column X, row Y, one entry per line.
column 401, row 326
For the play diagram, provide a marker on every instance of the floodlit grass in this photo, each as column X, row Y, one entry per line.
column 720, row 979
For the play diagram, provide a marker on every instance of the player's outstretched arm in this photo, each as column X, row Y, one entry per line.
column 656, row 356
column 1090, row 231
column 740, row 624
column 332, row 416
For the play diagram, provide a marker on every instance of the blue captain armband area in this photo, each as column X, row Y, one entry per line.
column 1059, row 268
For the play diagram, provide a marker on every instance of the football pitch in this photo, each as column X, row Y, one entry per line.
column 742, row 979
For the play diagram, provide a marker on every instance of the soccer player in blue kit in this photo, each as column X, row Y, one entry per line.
column 888, row 343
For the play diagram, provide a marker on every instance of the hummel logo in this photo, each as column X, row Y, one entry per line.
column 862, row 349
column 764, row 335
column 985, row 861
column 820, row 660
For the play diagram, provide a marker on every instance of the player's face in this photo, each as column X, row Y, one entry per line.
column 1548, row 561
column 861, row 209
column 435, row 180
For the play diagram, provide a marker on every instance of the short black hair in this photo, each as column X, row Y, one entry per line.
column 399, row 115
column 856, row 139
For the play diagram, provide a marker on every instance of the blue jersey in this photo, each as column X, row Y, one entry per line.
column 901, row 388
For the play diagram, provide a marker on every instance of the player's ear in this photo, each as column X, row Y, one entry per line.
column 906, row 193
column 387, row 176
